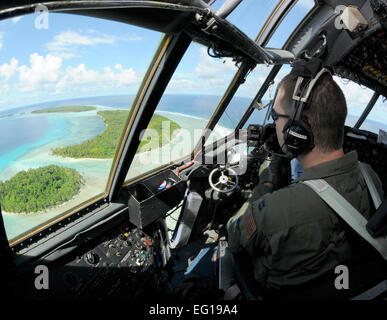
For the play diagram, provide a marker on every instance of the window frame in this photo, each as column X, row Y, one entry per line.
column 168, row 55
column 160, row 70
column 277, row 16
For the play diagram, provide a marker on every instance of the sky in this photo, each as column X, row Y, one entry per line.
column 75, row 56
column 48, row 57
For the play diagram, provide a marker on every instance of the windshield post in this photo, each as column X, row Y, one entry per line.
column 162, row 67
column 231, row 90
column 259, row 96
column 367, row 110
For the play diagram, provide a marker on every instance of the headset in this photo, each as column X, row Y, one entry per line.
column 298, row 135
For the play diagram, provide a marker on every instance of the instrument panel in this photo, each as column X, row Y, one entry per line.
column 117, row 265
column 367, row 63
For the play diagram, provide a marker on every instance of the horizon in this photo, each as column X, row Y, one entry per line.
column 65, row 61
column 31, row 107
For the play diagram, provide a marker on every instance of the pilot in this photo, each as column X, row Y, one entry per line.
column 290, row 234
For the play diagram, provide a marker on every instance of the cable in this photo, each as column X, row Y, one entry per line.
column 189, row 164
column 232, row 122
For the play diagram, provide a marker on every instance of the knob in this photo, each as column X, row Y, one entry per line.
column 92, row 258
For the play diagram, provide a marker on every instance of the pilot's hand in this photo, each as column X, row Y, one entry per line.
column 270, row 172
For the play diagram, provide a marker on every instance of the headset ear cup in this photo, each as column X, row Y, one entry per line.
column 285, row 130
column 298, row 138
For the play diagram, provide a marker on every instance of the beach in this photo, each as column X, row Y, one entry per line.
column 95, row 172
column 64, row 129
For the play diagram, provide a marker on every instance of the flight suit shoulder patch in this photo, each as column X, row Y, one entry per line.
column 249, row 222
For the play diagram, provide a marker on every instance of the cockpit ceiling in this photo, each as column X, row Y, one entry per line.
column 366, row 64
column 360, row 56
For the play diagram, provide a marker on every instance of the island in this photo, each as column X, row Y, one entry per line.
column 104, row 145
column 66, row 109
column 39, row 189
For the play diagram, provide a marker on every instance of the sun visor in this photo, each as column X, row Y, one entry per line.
column 159, row 16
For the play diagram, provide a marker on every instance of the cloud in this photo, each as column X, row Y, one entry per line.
column 307, row 4
column 47, row 73
column 381, row 105
column 80, row 75
column 4, row 88
column 65, row 44
column 182, row 85
column 212, row 76
column 1, row 39
column 217, row 82
column 16, row 19
column 77, row 75
column 120, row 76
column 8, row 70
column 356, row 95
column 212, row 68
column 254, row 81
column 42, row 70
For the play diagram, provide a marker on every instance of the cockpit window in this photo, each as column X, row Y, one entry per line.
column 258, row 116
column 248, row 90
column 239, row 104
column 357, row 98
column 250, row 16
column 377, row 118
column 290, row 22
column 188, row 103
column 66, row 86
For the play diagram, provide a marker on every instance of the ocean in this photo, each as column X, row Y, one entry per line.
column 26, row 140
column 21, row 133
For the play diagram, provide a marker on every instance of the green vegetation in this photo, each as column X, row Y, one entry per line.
column 65, row 109
column 104, row 145
column 39, row 189
column 156, row 124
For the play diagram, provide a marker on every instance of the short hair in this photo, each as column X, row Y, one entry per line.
column 326, row 111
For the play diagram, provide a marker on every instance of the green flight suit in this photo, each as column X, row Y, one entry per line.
column 291, row 234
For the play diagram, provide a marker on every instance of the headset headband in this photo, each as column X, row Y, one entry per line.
column 302, row 93
column 298, row 135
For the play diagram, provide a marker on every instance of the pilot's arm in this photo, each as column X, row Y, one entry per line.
column 236, row 230
column 242, row 227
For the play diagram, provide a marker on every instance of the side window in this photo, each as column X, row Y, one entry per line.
column 357, row 98
column 66, row 91
column 377, row 118
column 250, row 16
column 239, row 103
column 188, row 103
column 258, row 116
column 291, row 21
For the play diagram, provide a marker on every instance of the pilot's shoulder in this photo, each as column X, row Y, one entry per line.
column 292, row 206
column 294, row 195
column 375, row 178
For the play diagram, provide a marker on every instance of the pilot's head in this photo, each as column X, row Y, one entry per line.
column 325, row 113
